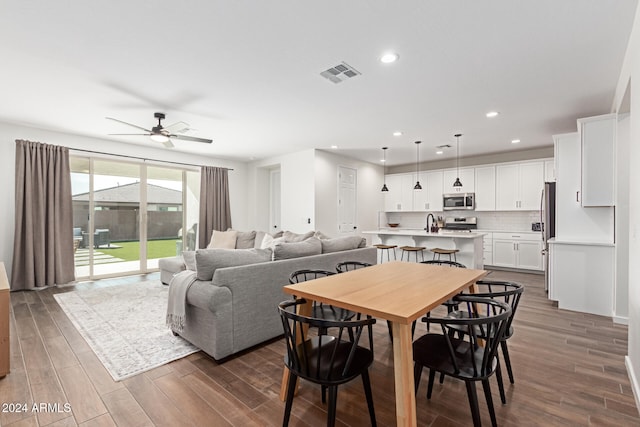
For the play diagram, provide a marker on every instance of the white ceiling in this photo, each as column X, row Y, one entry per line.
column 246, row 73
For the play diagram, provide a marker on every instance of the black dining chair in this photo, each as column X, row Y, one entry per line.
column 328, row 360
column 449, row 304
column 320, row 310
column 470, row 356
column 345, row 266
column 509, row 293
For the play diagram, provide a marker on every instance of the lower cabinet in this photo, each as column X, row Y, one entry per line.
column 517, row 251
column 487, row 249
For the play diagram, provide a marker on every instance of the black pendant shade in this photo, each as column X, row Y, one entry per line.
column 417, row 186
column 384, row 169
column 457, row 182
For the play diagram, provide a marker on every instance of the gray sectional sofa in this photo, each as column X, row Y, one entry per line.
column 236, row 308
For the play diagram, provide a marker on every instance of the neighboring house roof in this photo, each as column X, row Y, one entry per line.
column 130, row 193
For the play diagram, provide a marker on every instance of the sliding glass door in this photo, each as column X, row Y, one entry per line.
column 129, row 215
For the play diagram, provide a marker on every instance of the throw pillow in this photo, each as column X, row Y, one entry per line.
column 260, row 237
column 342, row 244
column 307, row 247
column 209, row 260
column 189, row 259
column 320, row 235
column 295, row 237
column 245, row 239
column 269, row 241
column 223, row 240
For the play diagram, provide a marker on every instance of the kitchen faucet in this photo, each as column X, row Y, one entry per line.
column 433, row 221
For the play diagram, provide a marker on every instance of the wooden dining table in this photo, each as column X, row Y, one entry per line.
column 399, row 292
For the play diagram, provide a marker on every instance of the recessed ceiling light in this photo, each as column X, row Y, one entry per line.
column 383, row 160
column 388, row 58
column 439, row 152
column 491, row 114
column 515, row 141
column 334, row 147
column 397, row 133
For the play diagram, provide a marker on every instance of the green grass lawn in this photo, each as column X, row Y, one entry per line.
column 130, row 251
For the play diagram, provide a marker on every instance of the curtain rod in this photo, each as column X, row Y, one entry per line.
column 140, row 158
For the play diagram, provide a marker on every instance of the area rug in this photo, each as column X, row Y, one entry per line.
column 125, row 326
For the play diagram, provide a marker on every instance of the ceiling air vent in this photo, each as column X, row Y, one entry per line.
column 443, row 146
column 340, row 73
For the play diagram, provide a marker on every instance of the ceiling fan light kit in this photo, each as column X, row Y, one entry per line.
column 163, row 134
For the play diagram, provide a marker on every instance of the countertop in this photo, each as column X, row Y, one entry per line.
column 422, row 232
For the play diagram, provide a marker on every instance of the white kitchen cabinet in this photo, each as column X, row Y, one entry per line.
column 597, row 137
column 517, row 250
column 467, row 178
column 393, row 197
column 582, row 276
column 519, row 186
column 430, row 197
column 485, row 181
column 400, row 194
column 575, row 223
column 487, row 249
column 549, row 171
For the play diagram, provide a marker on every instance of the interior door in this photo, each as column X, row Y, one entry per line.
column 347, row 200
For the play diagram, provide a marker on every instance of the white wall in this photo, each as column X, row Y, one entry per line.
column 9, row 133
column 621, row 296
column 370, row 200
column 630, row 74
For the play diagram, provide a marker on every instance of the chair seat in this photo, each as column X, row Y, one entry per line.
column 379, row 246
column 432, row 351
column 322, row 366
column 413, row 248
column 444, row 251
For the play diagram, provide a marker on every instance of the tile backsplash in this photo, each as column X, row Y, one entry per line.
column 500, row 220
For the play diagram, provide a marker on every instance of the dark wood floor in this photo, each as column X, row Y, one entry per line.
column 569, row 370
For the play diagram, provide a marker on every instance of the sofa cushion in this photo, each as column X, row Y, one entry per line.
column 289, row 250
column 291, row 237
column 344, row 243
column 245, row 239
column 260, row 237
column 269, row 241
column 223, row 240
column 189, row 259
column 208, row 260
column 320, row 235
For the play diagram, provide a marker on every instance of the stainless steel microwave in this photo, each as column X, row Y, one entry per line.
column 459, row 201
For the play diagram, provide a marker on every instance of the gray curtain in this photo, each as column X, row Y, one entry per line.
column 215, row 211
column 43, row 243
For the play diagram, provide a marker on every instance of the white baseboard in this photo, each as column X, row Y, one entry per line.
column 635, row 386
column 621, row 320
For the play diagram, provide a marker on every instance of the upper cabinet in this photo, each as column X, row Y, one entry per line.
column 467, row 177
column 430, row 197
column 597, row 138
column 486, row 188
column 519, row 186
column 400, row 194
column 549, row 171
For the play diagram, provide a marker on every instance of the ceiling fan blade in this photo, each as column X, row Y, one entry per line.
column 128, row 124
column 191, row 138
column 168, row 143
column 178, row 127
column 131, row 134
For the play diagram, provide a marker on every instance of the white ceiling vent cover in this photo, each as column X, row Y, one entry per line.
column 443, row 146
column 340, row 73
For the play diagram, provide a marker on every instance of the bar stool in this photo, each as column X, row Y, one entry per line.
column 386, row 248
column 439, row 252
column 414, row 249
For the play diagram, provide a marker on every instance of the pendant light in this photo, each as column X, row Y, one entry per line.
column 384, row 169
column 457, row 182
column 417, row 186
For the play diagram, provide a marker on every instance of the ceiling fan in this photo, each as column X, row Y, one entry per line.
column 163, row 134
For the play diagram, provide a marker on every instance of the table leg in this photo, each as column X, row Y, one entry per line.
column 304, row 310
column 403, row 370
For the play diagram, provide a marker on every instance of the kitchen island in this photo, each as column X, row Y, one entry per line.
column 468, row 243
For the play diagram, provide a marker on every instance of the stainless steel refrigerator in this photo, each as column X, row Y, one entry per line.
column 548, row 220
